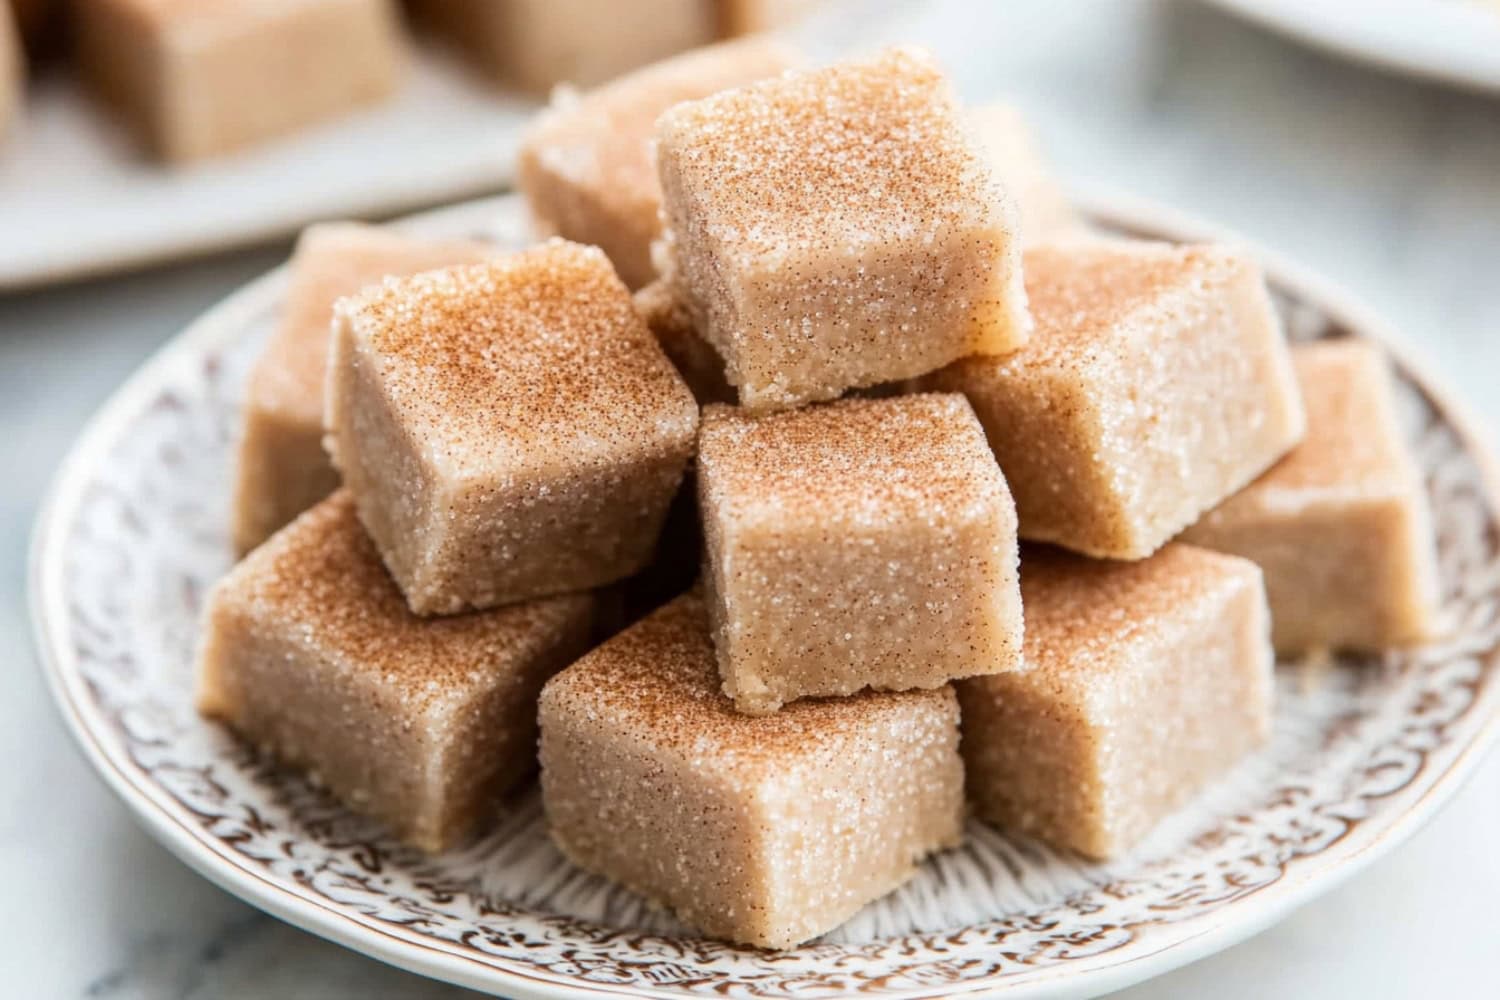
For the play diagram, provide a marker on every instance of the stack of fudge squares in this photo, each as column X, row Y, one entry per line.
column 992, row 514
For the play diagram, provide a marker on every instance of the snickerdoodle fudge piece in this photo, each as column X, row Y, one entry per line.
column 1158, row 384
column 766, row 831
column 534, row 44
column 197, row 78
column 282, row 468
column 838, row 228
column 311, row 653
column 587, row 166
column 1022, row 169
column 863, row 543
column 510, row 429
column 1143, row 681
column 1340, row 526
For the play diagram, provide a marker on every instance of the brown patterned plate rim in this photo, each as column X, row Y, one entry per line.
column 1149, row 950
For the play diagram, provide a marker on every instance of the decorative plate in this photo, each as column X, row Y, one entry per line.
column 135, row 532
column 1449, row 41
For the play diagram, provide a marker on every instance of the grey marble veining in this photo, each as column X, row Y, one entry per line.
column 1391, row 188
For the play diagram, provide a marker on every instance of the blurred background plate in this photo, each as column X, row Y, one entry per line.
column 1455, row 41
column 78, row 198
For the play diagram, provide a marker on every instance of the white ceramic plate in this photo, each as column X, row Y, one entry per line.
column 135, row 531
column 1454, row 41
column 77, row 198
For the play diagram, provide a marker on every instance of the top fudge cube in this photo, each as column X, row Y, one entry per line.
column 510, row 429
column 1158, row 383
column 205, row 77
column 865, row 543
column 838, row 228
column 282, row 468
column 588, row 168
column 1341, row 526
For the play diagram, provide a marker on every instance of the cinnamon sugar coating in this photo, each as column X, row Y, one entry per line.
column 1341, row 526
column 536, row 44
column 838, row 228
column 1158, row 384
column 765, row 831
column 1143, row 681
column 282, row 469
column 311, row 653
column 1016, row 157
column 509, row 429
column 863, row 543
column 587, row 167
column 198, row 78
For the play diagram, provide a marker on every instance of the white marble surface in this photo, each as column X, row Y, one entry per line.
column 1390, row 187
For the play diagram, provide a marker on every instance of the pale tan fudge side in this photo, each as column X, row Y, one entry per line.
column 1144, row 680
column 672, row 323
column 12, row 70
column 764, row 831
column 202, row 78
column 510, row 429
column 535, row 44
column 1158, row 384
column 282, row 468
column 1019, row 164
column 744, row 17
column 587, row 166
column 1340, row 526
column 838, row 228
column 864, row 543
column 311, row 653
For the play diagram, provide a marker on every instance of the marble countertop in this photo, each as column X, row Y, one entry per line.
column 1389, row 187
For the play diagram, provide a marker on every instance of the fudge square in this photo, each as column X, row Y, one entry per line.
column 863, row 543
column 510, row 429
column 837, row 228
column 766, row 831
column 282, row 468
column 534, row 44
column 202, row 77
column 311, row 652
column 1017, row 159
column 1143, row 680
column 1340, row 526
column 587, row 167
column 1158, row 383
